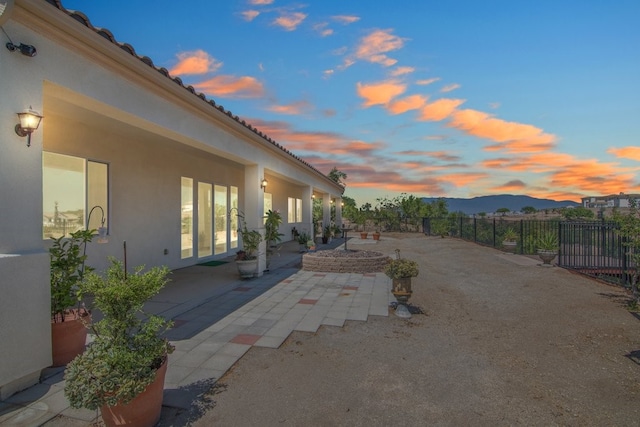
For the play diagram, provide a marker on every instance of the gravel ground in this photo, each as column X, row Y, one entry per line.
column 499, row 344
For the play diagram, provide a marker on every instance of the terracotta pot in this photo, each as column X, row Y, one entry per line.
column 69, row 338
column 376, row 236
column 363, row 235
column 144, row 410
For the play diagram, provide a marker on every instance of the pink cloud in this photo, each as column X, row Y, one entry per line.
column 440, row 109
column 449, row 88
column 400, row 71
column 380, row 93
column 425, row 82
column 345, row 19
column 195, row 62
column 375, row 46
column 290, row 20
column 231, row 87
column 249, row 15
column 260, row 2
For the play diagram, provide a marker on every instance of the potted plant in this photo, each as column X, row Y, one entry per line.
column 303, row 238
column 272, row 235
column 326, row 234
column 122, row 371
column 376, row 234
column 69, row 318
column 547, row 245
column 400, row 271
column 509, row 240
column 311, row 245
column 247, row 258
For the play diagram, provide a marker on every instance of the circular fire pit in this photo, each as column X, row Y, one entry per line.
column 344, row 261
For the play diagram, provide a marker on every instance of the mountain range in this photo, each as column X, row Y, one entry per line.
column 490, row 204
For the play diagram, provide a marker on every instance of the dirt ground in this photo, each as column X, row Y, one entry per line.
column 499, row 344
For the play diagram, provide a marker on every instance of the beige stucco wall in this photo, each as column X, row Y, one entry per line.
column 103, row 104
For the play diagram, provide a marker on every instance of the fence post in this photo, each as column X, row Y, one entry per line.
column 494, row 232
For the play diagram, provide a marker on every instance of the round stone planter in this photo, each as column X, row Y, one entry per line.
column 341, row 261
column 247, row 268
column 546, row 256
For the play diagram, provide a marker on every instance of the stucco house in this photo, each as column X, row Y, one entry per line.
column 125, row 145
column 620, row 200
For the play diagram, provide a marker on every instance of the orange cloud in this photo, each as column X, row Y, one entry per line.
column 249, row 15
column 449, row 88
column 290, row 21
column 345, row 19
column 195, row 62
column 380, row 93
column 294, row 108
column 440, row 109
column 631, row 153
column 403, row 105
column 510, row 136
column 260, row 2
column 464, row 178
column 231, row 87
column 319, row 142
column 376, row 45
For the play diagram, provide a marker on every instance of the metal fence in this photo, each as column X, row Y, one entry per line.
column 595, row 248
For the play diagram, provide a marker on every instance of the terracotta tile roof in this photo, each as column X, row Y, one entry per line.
column 82, row 19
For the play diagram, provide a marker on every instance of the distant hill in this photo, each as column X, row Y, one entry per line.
column 490, row 204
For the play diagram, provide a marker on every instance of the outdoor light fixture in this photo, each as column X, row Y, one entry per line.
column 263, row 183
column 29, row 121
column 25, row 49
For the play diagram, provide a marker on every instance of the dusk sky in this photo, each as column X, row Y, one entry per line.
column 430, row 98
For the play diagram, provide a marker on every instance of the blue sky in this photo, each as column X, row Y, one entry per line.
column 447, row 98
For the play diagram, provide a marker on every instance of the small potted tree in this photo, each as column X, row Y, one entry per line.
column 547, row 245
column 122, row 371
column 400, row 271
column 272, row 235
column 247, row 258
column 69, row 318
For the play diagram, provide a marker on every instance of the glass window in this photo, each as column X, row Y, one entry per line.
column 186, row 220
column 71, row 188
column 233, row 221
column 291, row 210
column 220, row 200
column 298, row 210
column 205, row 219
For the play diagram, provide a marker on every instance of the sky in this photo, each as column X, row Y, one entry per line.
column 429, row 98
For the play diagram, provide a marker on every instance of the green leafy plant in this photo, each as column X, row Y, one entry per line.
column 250, row 241
column 128, row 347
column 303, row 238
column 401, row 267
column 547, row 241
column 510, row 235
column 273, row 220
column 67, row 268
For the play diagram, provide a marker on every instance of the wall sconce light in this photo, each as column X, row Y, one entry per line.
column 263, row 184
column 313, row 196
column 29, row 122
column 25, row 49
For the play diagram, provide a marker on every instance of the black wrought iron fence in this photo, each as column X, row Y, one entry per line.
column 595, row 248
